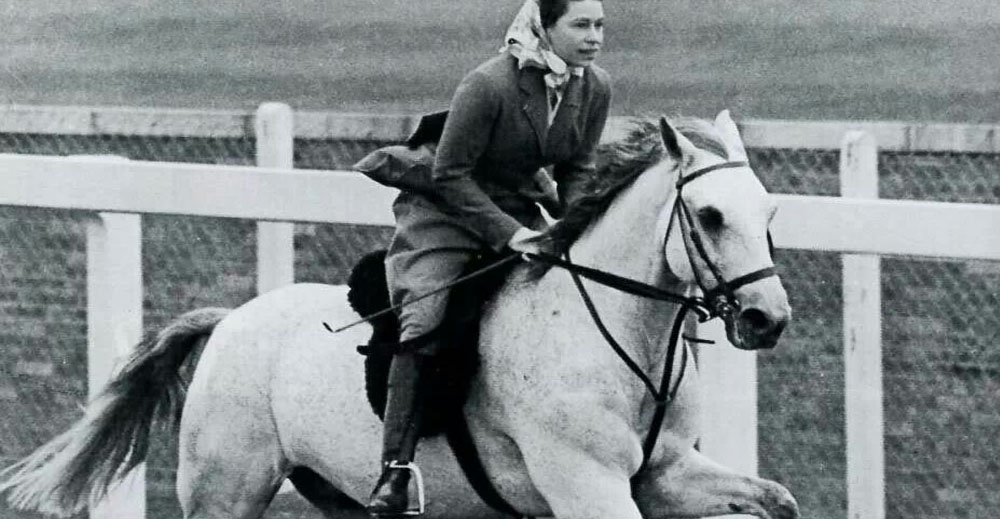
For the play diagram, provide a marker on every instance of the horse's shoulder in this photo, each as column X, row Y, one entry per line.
column 518, row 291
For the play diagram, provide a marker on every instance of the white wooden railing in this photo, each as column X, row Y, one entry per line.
column 859, row 225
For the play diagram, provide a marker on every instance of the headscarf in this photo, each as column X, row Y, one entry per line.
column 526, row 40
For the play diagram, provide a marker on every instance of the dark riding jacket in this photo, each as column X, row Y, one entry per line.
column 497, row 136
column 484, row 182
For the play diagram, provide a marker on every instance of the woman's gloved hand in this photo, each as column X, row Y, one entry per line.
column 527, row 240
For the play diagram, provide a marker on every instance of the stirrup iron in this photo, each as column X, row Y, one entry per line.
column 418, row 478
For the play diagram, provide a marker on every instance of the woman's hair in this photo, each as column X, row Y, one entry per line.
column 552, row 10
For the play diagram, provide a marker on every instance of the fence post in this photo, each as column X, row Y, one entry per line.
column 729, row 385
column 275, row 240
column 114, row 326
column 863, row 390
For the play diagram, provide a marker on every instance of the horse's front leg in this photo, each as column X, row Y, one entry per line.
column 582, row 472
column 695, row 486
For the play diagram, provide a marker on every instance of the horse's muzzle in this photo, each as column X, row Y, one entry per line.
column 754, row 329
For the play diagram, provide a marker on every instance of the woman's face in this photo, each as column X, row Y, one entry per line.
column 576, row 37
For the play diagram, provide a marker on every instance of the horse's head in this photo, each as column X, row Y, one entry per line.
column 717, row 235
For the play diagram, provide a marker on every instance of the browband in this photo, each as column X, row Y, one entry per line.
column 735, row 164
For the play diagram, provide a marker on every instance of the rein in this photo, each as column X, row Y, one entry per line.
column 719, row 301
column 623, row 284
column 663, row 394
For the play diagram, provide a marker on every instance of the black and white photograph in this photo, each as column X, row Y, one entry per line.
column 579, row 259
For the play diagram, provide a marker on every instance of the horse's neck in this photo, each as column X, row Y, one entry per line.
column 627, row 240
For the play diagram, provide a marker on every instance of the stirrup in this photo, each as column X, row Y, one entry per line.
column 418, row 478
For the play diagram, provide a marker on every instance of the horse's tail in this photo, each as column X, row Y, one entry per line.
column 80, row 465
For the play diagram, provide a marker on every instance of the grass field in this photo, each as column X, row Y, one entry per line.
column 917, row 60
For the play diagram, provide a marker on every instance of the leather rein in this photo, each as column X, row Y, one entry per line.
column 719, row 301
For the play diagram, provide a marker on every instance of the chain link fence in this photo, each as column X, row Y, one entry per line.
column 941, row 321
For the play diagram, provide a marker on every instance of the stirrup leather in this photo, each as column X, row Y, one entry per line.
column 418, row 478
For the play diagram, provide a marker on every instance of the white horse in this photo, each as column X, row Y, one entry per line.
column 558, row 418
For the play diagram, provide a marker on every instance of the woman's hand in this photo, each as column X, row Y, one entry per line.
column 526, row 240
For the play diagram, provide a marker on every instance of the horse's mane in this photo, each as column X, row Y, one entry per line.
column 619, row 163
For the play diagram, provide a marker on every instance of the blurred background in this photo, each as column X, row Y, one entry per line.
column 923, row 60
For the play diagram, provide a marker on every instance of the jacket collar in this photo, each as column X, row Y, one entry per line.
column 534, row 102
column 535, row 105
column 569, row 108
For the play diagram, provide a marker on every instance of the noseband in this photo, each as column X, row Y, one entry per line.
column 721, row 299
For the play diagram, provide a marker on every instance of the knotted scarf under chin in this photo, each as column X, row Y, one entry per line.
column 526, row 40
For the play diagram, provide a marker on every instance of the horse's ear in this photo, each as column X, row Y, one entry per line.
column 730, row 136
column 676, row 143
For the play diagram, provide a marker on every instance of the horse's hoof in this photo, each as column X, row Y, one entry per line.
column 780, row 504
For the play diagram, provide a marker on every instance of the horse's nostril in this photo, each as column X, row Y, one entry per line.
column 779, row 327
column 756, row 320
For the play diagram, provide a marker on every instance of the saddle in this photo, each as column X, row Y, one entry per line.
column 450, row 370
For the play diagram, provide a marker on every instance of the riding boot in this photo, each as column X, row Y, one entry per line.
column 401, row 428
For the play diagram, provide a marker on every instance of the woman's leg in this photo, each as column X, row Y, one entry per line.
column 411, row 274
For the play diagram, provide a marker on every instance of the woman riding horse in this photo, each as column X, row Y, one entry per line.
column 564, row 411
column 540, row 104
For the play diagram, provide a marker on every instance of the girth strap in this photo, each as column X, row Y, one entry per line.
column 460, row 440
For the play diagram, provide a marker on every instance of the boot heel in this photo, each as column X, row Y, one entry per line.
column 417, row 478
column 391, row 497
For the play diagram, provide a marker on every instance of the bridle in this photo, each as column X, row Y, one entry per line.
column 720, row 300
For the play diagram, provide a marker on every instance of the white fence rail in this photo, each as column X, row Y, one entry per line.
column 757, row 133
column 858, row 225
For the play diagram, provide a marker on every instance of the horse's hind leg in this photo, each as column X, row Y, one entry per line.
column 231, row 463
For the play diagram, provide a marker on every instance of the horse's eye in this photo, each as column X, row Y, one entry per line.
column 710, row 218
